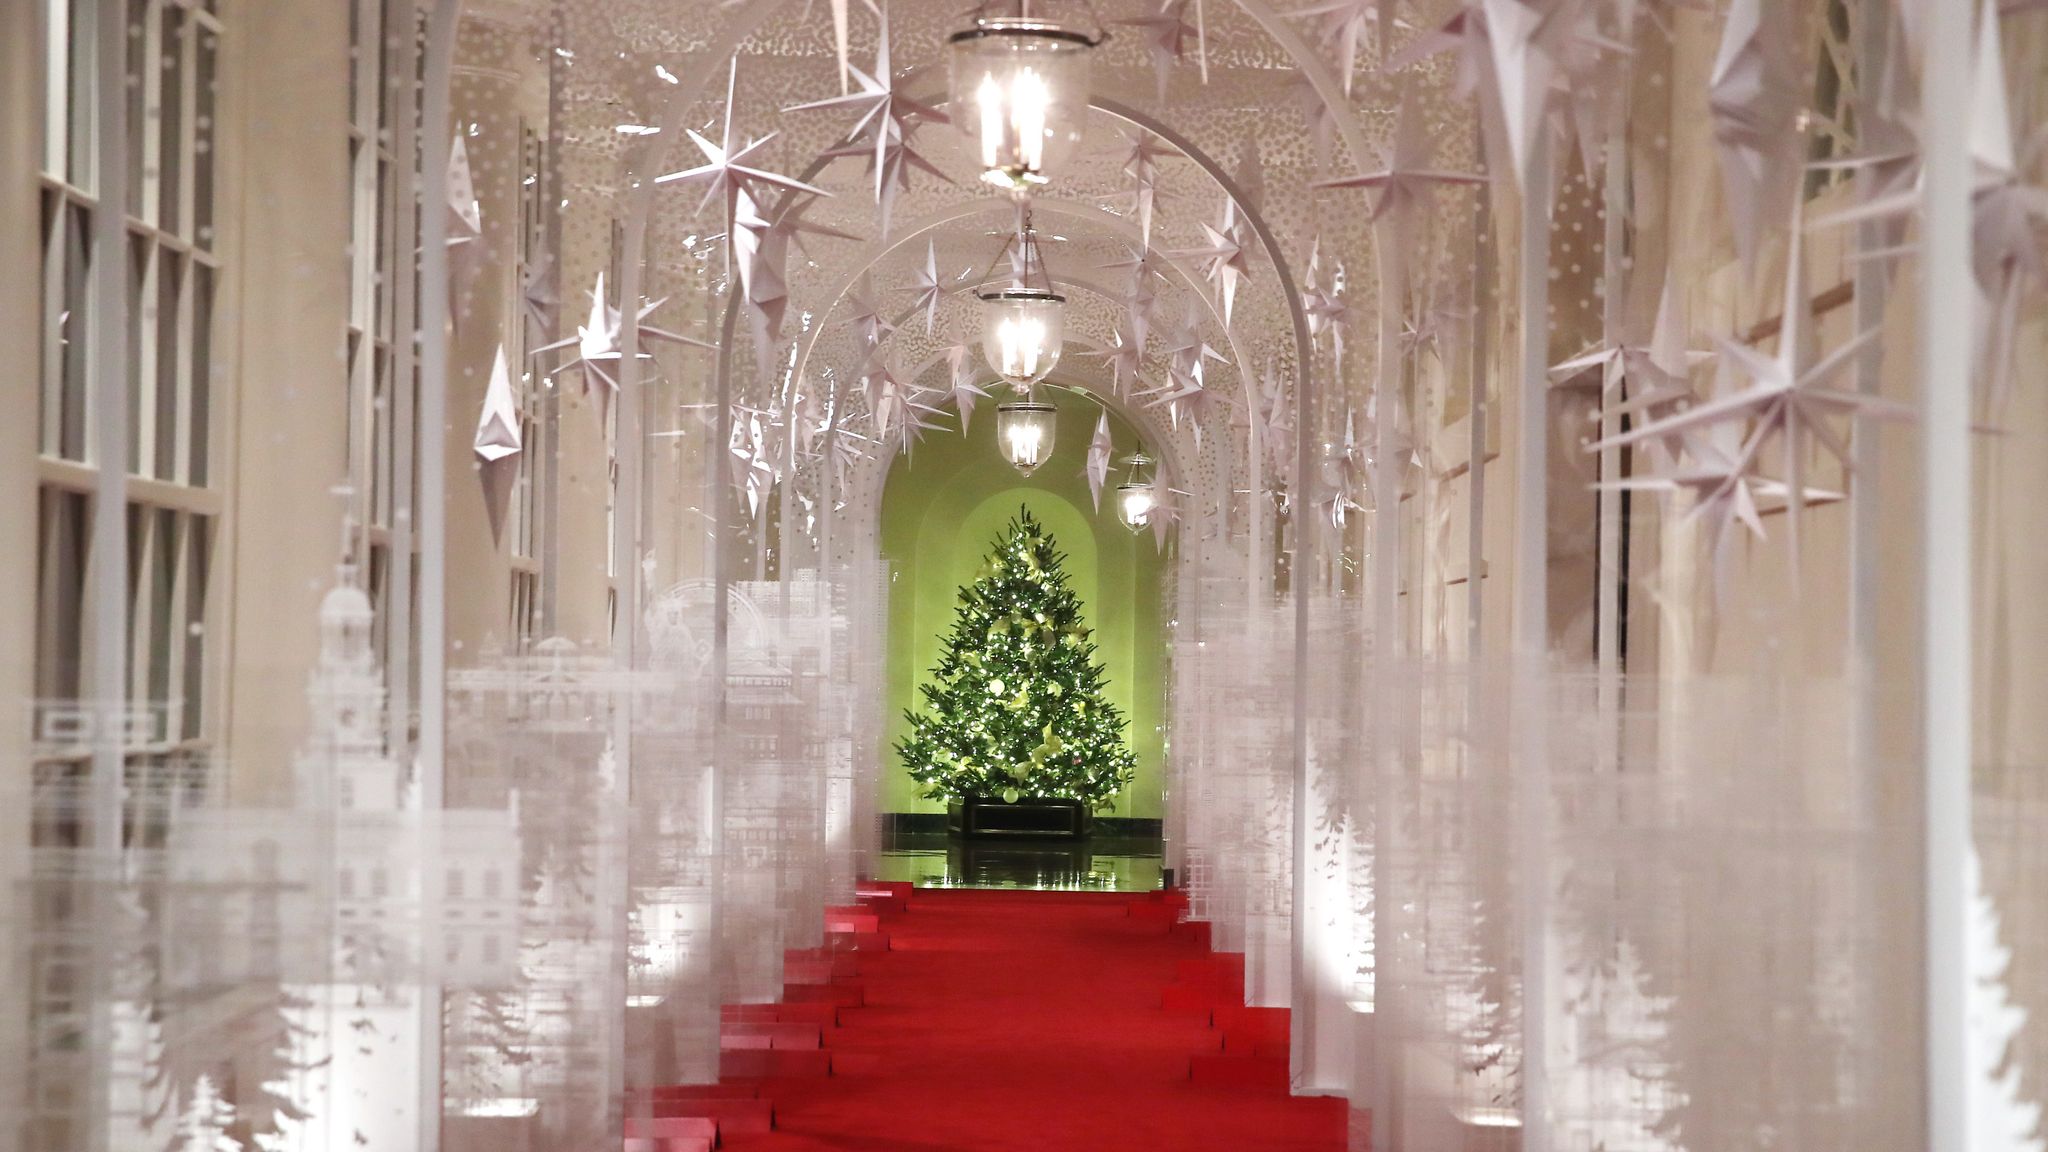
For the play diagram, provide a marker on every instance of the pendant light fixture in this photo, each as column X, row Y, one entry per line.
column 1025, row 429
column 1138, row 495
column 1023, row 322
column 1023, row 329
column 1020, row 90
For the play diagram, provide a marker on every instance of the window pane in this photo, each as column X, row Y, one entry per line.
column 73, row 324
column 162, row 615
column 208, row 78
column 197, row 563
column 170, row 278
column 138, row 83
column 201, row 414
column 141, row 317
column 63, row 538
column 78, row 109
column 171, row 120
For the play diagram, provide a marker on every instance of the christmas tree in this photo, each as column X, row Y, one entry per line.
column 1015, row 706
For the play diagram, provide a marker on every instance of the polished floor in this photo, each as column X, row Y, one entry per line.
column 1100, row 863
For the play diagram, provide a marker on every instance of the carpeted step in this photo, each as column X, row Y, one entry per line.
column 819, row 971
column 773, row 1063
column 675, row 1131
column 842, row 995
column 729, row 1115
column 1253, row 1031
column 770, row 1034
column 668, row 1144
column 901, row 889
column 1198, row 1002
column 851, row 919
column 1268, row 1073
column 684, row 1093
column 1196, row 932
column 821, row 1015
column 858, row 941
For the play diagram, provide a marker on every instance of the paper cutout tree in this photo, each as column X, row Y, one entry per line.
column 1015, row 707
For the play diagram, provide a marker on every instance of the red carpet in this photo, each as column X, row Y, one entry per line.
column 1034, row 1022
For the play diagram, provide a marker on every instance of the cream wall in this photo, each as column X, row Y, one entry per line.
column 285, row 316
column 20, row 144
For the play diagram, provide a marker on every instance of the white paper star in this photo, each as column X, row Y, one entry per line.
column 725, row 173
column 1166, row 34
column 1096, row 468
column 1405, row 176
column 497, row 427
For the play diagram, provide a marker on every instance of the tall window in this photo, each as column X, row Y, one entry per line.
column 382, row 394
column 167, row 382
column 524, row 515
column 165, row 391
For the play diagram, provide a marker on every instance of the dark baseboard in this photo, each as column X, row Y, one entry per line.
column 934, row 823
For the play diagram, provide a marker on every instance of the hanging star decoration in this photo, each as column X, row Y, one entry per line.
column 727, row 172
column 1788, row 401
column 864, row 315
column 465, row 214
column 1223, row 257
column 1344, row 24
column 537, row 291
column 1753, row 99
column 1406, row 174
column 1140, row 299
column 761, row 247
column 752, row 455
column 1141, row 164
column 888, row 118
column 1124, row 360
column 1344, row 471
column 960, row 367
column 497, row 427
column 1276, row 422
column 597, row 344
column 1100, row 448
column 1185, row 393
column 1323, row 302
column 1708, row 463
column 1316, row 114
column 930, row 289
column 2008, row 212
column 1163, row 516
column 1166, row 33
column 1635, row 379
column 901, row 412
column 1439, row 319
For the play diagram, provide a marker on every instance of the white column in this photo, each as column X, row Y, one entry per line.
column 1945, row 358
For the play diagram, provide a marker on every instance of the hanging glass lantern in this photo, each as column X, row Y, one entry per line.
column 1020, row 90
column 1023, row 322
column 1022, row 332
column 1138, row 495
column 1024, row 430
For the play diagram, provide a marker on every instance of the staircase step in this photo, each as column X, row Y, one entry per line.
column 685, row 1093
column 1267, row 1072
column 844, row 995
column 672, row 1128
column 771, row 1034
column 773, row 1063
column 859, row 941
column 731, row 1115
column 851, row 919
column 821, row 1015
column 669, row 1144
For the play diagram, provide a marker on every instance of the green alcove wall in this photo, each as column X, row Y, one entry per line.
column 943, row 508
